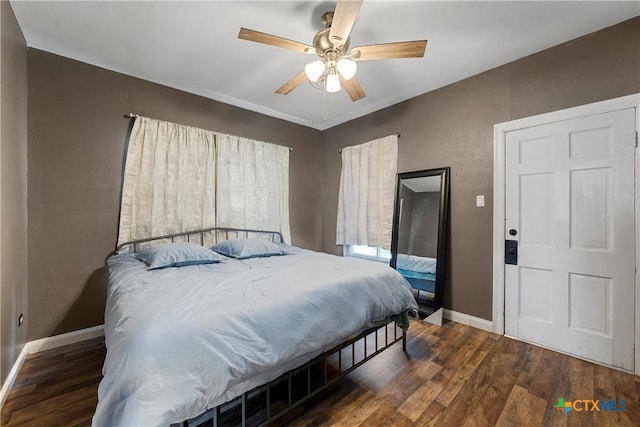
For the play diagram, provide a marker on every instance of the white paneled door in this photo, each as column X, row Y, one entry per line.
column 570, row 207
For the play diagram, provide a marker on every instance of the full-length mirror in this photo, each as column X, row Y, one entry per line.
column 419, row 236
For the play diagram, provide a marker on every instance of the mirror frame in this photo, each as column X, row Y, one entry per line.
column 443, row 222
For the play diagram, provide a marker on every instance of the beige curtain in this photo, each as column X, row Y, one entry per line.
column 253, row 185
column 366, row 197
column 169, row 180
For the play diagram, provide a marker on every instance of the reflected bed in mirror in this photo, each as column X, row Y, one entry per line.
column 419, row 236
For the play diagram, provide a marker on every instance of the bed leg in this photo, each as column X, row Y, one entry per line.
column 404, row 341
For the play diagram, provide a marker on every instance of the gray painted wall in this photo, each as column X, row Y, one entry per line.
column 13, row 189
column 423, row 238
column 76, row 145
column 453, row 126
column 418, row 228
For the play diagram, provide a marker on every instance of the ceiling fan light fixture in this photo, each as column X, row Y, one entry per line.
column 333, row 82
column 314, row 70
column 337, row 65
column 347, row 68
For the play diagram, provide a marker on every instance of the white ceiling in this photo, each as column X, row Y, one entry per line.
column 193, row 46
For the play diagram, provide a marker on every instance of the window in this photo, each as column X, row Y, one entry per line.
column 375, row 253
column 250, row 190
column 366, row 196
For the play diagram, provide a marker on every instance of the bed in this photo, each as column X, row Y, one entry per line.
column 419, row 271
column 196, row 342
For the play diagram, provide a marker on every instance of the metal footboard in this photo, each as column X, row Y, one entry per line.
column 270, row 401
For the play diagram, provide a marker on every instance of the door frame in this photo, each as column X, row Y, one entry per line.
column 499, row 163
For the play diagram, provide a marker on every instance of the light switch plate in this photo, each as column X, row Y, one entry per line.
column 480, row 201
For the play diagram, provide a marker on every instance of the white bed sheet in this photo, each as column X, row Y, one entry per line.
column 419, row 264
column 181, row 340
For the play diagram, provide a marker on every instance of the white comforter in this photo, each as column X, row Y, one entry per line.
column 181, row 340
column 419, row 264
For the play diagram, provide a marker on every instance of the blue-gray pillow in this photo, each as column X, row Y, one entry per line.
column 248, row 248
column 177, row 255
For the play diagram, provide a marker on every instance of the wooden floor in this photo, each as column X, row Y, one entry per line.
column 452, row 375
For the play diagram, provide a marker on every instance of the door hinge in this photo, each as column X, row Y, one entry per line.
column 636, row 139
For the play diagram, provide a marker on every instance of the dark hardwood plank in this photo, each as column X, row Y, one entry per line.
column 415, row 404
column 522, row 409
column 57, row 387
column 449, row 375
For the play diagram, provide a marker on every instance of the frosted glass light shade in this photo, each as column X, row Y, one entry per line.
column 333, row 83
column 314, row 70
column 347, row 68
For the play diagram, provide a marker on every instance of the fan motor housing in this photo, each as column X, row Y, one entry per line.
column 323, row 43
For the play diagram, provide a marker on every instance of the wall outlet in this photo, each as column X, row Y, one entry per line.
column 480, row 201
column 20, row 320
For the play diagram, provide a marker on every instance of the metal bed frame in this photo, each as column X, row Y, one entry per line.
column 266, row 403
column 134, row 245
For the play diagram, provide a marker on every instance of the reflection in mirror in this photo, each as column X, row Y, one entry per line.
column 419, row 238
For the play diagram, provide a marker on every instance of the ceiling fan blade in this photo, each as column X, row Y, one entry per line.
column 413, row 49
column 353, row 88
column 343, row 20
column 293, row 83
column 270, row 39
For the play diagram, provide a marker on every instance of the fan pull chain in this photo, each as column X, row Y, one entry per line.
column 324, row 101
column 331, row 106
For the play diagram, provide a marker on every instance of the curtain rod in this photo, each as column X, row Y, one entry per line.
column 396, row 134
column 134, row 115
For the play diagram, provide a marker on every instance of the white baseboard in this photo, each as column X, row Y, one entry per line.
column 13, row 374
column 45, row 344
column 65, row 339
column 466, row 319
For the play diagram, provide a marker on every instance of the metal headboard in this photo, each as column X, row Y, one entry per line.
column 216, row 234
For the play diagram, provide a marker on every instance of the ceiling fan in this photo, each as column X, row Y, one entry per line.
column 337, row 66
